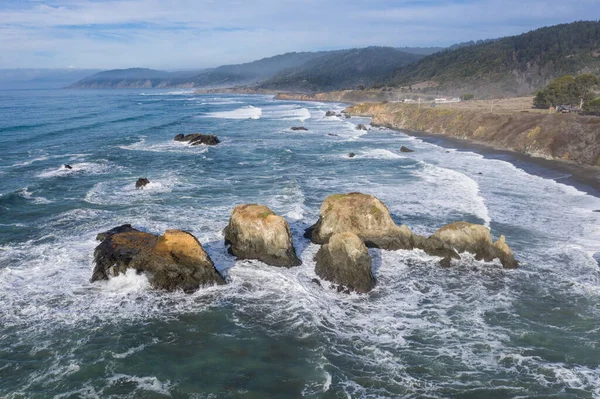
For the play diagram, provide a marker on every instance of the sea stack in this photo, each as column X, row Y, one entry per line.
column 198, row 138
column 256, row 232
column 345, row 260
column 175, row 260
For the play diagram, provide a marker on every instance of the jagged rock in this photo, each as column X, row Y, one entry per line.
column 476, row 239
column 363, row 215
column 67, row 166
column 175, row 260
column 405, row 149
column 141, row 182
column 125, row 228
column 361, row 127
column 348, row 116
column 316, row 281
column 298, row 128
column 330, row 113
column 345, row 260
column 256, row 232
column 198, row 138
column 351, row 155
column 339, row 115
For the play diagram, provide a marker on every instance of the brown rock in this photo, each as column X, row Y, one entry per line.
column 476, row 239
column 345, row 261
column 256, row 232
column 198, row 138
column 363, row 215
column 175, row 260
column 141, row 182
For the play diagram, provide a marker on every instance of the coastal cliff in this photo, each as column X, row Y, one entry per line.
column 342, row 96
column 562, row 137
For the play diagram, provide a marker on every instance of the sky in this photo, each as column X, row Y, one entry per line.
column 194, row 34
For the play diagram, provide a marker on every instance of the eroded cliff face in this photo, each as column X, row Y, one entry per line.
column 551, row 136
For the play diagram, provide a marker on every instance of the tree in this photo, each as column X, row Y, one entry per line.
column 566, row 90
column 467, row 97
column 592, row 107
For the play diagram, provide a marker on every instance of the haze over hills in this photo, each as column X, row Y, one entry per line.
column 508, row 66
column 41, row 78
column 303, row 70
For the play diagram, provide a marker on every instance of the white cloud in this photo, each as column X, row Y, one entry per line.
column 194, row 34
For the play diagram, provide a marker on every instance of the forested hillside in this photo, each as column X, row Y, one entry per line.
column 509, row 66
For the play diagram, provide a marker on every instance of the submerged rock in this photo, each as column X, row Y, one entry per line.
column 256, row 232
column 406, row 149
column 299, row 128
column 345, row 260
column 351, row 155
column 141, row 182
column 175, row 260
column 198, row 138
column 476, row 239
column 67, row 166
column 363, row 215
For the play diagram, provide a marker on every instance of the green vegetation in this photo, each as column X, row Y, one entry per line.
column 344, row 69
column 592, row 107
column 567, row 90
column 467, row 97
column 511, row 65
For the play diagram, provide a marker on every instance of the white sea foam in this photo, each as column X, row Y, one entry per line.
column 247, row 112
column 90, row 168
column 286, row 113
column 35, row 199
column 379, row 154
column 166, row 146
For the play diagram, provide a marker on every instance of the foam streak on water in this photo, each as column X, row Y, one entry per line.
column 474, row 330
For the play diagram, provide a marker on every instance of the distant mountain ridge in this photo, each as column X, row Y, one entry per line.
column 512, row 65
column 281, row 68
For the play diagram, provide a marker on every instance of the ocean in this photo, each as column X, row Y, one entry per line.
column 472, row 331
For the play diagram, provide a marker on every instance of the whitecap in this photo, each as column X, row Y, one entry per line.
column 247, row 112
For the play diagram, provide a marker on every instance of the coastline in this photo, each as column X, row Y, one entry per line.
column 586, row 179
column 583, row 177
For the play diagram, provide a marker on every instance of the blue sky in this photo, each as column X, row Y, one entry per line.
column 184, row 34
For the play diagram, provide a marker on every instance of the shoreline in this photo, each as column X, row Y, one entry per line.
column 585, row 179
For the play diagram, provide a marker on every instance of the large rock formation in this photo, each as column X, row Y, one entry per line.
column 369, row 219
column 175, row 260
column 198, row 138
column 476, row 239
column 256, row 232
column 363, row 215
column 345, row 260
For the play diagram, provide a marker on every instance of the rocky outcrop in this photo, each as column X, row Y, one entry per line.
column 67, row 166
column 256, row 232
column 476, row 239
column 198, row 138
column 345, row 260
column 369, row 219
column 550, row 136
column 363, row 215
column 406, row 149
column 330, row 113
column 298, row 128
column 361, row 126
column 175, row 260
column 141, row 182
column 351, row 155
